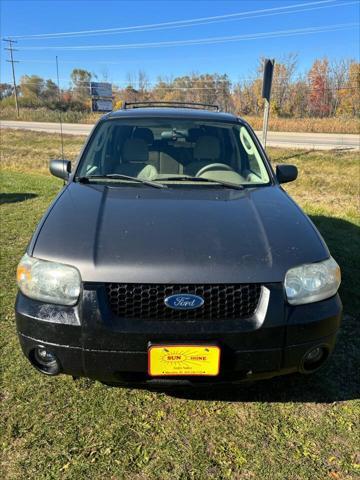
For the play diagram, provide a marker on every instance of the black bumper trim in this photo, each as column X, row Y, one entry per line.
column 130, row 368
column 111, row 349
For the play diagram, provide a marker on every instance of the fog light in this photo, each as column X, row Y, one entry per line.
column 314, row 354
column 44, row 355
column 45, row 361
column 313, row 359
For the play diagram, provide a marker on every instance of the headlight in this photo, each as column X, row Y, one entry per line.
column 312, row 282
column 49, row 282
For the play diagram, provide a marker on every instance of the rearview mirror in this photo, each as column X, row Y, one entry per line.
column 286, row 173
column 60, row 168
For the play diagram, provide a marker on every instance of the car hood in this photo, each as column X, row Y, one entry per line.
column 141, row 234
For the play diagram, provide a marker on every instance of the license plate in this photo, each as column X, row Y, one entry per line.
column 184, row 360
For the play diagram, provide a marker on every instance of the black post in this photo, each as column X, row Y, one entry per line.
column 266, row 94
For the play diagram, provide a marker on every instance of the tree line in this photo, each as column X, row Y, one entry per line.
column 327, row 89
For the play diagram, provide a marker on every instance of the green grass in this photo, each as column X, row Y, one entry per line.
column 286, row 428
column 43, row 114
column 30, row 151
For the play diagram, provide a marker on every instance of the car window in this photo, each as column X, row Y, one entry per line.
column 257, row 170
column 164, row 149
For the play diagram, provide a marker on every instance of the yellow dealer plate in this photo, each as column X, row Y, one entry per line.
column 184, row 360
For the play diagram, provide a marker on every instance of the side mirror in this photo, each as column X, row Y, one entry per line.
column 60, row 168
column 286, row 173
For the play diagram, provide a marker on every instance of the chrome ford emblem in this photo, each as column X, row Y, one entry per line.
column 184, row 301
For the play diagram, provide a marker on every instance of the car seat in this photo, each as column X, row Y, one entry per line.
column 134, row 159
column 206, row 151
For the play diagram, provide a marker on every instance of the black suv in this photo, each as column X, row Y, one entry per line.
column 173, row 256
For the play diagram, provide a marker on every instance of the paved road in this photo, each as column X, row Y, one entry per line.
column 320, row 141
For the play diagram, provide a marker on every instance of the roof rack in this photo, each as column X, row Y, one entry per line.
column 196, row 106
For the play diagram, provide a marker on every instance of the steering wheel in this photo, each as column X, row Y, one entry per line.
column 213, row 166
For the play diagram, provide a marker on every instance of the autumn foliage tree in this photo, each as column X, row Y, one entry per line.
column 327, row 89
column 319, row 98
column 349, row 102
column 81, row 84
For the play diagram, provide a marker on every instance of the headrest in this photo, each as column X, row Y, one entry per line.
column 194, row 134
column 144, row 133
column 135, row 150
column 207, row 147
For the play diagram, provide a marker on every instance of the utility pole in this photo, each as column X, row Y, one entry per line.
column 60, row 118
column 12, row 61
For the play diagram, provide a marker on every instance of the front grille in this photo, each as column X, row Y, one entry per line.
column 146, row 301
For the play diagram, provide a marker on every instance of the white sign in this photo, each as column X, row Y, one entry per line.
column 99, row 105
column 101, row 89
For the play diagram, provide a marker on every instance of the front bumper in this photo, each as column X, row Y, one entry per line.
column 90, row 341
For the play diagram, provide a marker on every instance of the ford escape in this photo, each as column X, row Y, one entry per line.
column 172, row 255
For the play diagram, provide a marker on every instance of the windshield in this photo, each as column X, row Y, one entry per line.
column 172, row 150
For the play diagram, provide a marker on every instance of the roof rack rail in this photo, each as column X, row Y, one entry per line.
column 146, row 104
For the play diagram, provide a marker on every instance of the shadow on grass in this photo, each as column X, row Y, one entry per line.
column 15, row 197
column 302, row 153
column 337, row 152
column 343, row 239
column 339, row 378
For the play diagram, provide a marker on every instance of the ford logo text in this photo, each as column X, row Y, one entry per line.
column 184, row 301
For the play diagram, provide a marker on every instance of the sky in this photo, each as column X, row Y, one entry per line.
column 240, row 32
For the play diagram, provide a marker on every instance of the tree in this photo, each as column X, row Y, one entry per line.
column 247, row 97
column 205, row 88
column 129, row 94
column 349, row 94
column 143, row 85
column 6, row 90
column 81, row 80
column 31, row 86
column 327, row 89
column 354, row 88
column 298, row 98
column 161, row 90
column 51, row 92
column 319, row 98
column 337, row 80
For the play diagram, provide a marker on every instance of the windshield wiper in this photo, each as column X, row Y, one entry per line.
column 120, row 177
column 203, row 179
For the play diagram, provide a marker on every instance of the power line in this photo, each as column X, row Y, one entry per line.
column 203, row 41
column 12, row 61
column 176, row 23
column 206, row 21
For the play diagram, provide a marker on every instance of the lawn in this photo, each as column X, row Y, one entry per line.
column 286, row 428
